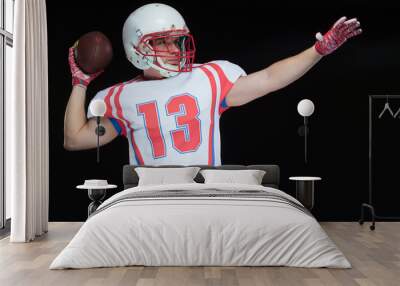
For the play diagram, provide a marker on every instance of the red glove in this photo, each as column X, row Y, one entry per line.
column 78, row 76
column 337, row 35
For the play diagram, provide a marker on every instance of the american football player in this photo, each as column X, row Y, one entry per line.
column 170, row 113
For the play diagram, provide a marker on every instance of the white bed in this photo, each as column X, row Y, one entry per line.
column 225, row 225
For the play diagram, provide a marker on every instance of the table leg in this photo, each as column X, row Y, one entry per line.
column 96, row 195
column 305, row 193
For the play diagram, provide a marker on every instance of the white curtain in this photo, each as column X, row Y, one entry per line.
column 27, row 152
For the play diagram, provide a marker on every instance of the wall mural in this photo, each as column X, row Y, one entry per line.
column 170, row 113
column 208, row 86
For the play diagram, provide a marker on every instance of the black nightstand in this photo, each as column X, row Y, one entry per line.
column 305, row 190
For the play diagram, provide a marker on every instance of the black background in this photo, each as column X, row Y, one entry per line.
column 253, row 35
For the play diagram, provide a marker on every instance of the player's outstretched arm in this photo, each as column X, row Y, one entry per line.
column 286, row 71
column 79, row 133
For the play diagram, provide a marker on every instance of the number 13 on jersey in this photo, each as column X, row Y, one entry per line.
column 187, row 135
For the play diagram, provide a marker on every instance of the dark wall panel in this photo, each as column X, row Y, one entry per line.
column 265, row 130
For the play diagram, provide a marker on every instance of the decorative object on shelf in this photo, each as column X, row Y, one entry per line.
column 369, row 205
column 98, row 108
column 96, row 192
column 305, row 190
column 305, row 108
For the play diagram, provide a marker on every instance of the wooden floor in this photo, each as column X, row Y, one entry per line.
column 374, row 255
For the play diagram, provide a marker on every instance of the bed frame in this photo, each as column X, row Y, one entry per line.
column 271, row 178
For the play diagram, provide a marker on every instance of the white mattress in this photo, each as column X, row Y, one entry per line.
column 200, row 231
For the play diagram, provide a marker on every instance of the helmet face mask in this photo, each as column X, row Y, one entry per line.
column 156, row 36
column 177, row 59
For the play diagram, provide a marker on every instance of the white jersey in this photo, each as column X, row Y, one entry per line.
column 173, row 120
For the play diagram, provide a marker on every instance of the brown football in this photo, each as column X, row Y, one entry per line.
column 93, row 52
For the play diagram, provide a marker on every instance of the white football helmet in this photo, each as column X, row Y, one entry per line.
column 158, row 21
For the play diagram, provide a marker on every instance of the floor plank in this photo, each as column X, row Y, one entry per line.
column 374, row 255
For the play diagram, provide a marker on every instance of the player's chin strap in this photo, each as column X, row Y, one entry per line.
column 143, row 61
column 163, row 68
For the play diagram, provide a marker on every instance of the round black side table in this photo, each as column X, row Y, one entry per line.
column 96, row 195
column 305, row 190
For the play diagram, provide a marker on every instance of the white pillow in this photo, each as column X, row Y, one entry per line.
column 163, row 176
column 248, row 177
